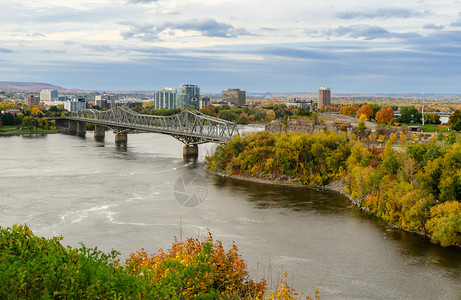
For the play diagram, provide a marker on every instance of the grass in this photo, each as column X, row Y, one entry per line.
column 429, row 127
column 13, row 129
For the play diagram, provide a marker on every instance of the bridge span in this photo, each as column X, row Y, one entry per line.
column 190, row 127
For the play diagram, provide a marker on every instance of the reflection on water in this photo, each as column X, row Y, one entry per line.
column 293, row 198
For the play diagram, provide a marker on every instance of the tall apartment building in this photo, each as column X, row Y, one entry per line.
column 188, row 94
column 165, row 98
column 323, row 97
column 49, row 95
column 235, row 96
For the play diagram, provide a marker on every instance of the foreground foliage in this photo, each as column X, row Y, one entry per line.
column 417, row 188
column 38, row 268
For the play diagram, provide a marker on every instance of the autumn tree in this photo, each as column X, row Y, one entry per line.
column 365, row 110
column 348, row 111
column 37, row 112
column 270, row 115
column 403, row 137
column 208, row 110
column 361, row 123
column 385, row 115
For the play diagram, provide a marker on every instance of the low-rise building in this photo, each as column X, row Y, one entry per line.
column 105, row 101
column 205, row 101
column 236, row 96
column 32, row 100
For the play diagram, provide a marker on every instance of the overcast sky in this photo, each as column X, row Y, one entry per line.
column 351, row 46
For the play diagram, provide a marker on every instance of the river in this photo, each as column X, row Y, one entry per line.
column 124, row 198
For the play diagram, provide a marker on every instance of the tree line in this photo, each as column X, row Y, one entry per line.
column 417, row 189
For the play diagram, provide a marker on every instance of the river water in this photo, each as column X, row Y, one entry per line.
column 124, row 198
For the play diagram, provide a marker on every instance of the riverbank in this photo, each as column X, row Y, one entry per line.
column 334, row 186
column 407, row 188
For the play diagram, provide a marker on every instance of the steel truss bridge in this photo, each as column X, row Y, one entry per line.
column 190, row 127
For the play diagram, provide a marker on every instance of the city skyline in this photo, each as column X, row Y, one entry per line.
column 350, row 46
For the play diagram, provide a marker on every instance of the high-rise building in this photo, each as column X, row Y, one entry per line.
column 32, row 100
column 188, row 94
column 323, row 97
column 49, row 95
column 165, row 98
column 235, row 96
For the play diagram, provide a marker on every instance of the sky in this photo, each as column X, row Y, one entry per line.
column 351, row 46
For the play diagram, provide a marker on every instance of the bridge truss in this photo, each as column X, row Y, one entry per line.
column 190, row 127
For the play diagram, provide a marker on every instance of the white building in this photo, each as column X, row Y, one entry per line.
column 49, row 95
column 76, row 104
column 165, row 98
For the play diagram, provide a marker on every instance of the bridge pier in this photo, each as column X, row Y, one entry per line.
column 81, row 128
column 121, row 138
column 72, row 127
column 99, row 132
column 190, row 151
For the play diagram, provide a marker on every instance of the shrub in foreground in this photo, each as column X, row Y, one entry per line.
column 32, row 267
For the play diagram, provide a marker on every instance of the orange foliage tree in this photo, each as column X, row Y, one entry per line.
column 348, row 111
column 385, row 115
column 365, row 110
column 194, row 268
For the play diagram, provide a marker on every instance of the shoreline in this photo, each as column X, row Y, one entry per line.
column 27, row 133
column 334, row 186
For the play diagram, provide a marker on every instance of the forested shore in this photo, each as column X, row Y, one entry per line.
column 416, row 187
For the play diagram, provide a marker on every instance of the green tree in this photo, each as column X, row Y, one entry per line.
column 432, row 118
column 29, row 123
column 455, row 120
column 409, row 114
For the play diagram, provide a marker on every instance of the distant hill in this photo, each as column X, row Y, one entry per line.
column 28, row 86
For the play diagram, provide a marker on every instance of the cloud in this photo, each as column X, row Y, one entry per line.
column 4, row 50
column 383, row 13
column 99, row 48
column 36, row 34
column 433, row 26
column 458, row 22
column 369, row 32
column 361, row 31
column 208, row 27
column 142, row 1
column 290, row 52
